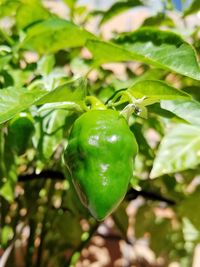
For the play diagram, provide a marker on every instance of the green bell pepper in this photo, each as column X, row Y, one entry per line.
column 100, row 156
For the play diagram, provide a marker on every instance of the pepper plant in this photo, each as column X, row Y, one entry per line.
column 80, row 143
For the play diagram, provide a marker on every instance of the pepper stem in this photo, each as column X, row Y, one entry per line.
column 93, row 103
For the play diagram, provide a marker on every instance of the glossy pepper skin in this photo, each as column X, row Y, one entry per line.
column 100, row 156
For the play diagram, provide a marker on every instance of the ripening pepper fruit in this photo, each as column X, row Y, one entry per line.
column 20, row 131
column 100, row 156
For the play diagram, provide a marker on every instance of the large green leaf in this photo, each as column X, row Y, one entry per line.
column 54, row 34
column 25, row 15
column 155, row 91
column 179, row 150
column 14, row 100
column 163, row 49
column 118, row 8
column 189, row 110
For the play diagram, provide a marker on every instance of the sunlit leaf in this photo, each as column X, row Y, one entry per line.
column 54, row 34
column 25, row 15
column 14, row 100
column 189, row 110
column 163, row 49
column 179, row 150
column 155, row 90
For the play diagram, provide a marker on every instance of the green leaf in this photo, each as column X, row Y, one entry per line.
column 30, row 12
column 46, row 64
column 4, row 60
column 189, row 231
column 105, row 52
column 14, row 100
column 118, row 8
column 120, row 218
column 6, row 235
column 7, row 191
column 71, row 91
column 144, row 220
column 163, row 49
column 54, row 34
column 189, row 110
column 70, row 3
column 193, row 8
column 155, row 91
column 8, row 7
column 156, row 109
column 194, row 91
column 159, row 20
column 179, row 150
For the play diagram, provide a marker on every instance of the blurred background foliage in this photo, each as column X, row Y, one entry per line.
column 53, row 54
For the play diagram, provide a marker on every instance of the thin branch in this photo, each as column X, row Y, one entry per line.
column 131, row 194
column 47, row 174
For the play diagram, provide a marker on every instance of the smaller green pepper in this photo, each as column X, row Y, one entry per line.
column 100, row 155
column 20, row 131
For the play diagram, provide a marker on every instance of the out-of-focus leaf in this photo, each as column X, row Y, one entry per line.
column 7, row 191
column 6, row 234
column 159, row 20
column 194, row 91
column 118, row 8
column 189, row 110
column 30, row 12
column 193, row 8
column 186, row 208
column 5, row 55
column 20, row 77
column 46, row 64
column 120, row 218
column 179, row 150
column 8, row 7
column 163, row 49
column 189, row 231
column 68, row 228
column 54, row 34
column 144, row 220
column 70, row 3
column 160, row 236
